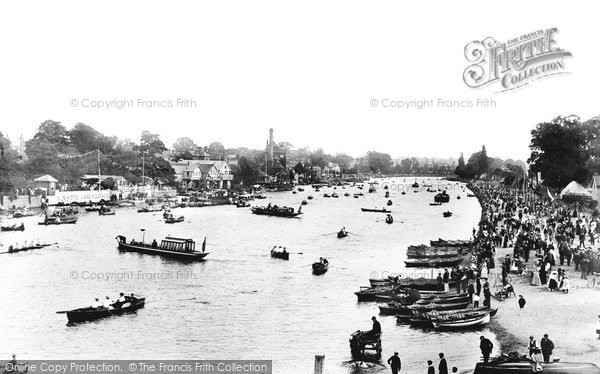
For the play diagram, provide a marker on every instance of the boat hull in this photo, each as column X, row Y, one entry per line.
column 464, row 323
column 91, row 314
column 190, row 256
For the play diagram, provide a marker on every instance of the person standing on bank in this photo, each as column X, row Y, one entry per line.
column 446, row 281
column 443, row 366
column 395, row 363
column 486, row 347
column 522, row 303
column 547, row 347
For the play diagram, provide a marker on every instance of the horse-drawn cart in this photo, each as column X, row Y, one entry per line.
column 363, row 341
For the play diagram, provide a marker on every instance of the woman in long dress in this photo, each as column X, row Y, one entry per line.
column 535, row 280
column 553, row 282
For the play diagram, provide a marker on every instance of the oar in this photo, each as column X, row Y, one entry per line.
column 62, row 312
column 353, row 233
column 331, row 233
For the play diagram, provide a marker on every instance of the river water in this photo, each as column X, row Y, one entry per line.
column 240, row 303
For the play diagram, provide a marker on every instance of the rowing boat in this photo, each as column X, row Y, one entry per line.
column 91, row 314
column 436, row 262
column 284, row 255
column 383, row 210
column 470, row 321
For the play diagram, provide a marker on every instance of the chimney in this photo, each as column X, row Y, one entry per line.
column 270, row 145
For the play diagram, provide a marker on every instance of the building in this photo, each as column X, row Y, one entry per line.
column 48, row 183
column 207, row 174
column 91, row 179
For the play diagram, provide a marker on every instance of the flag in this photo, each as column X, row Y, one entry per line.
column 204, row 244
column 550, row 194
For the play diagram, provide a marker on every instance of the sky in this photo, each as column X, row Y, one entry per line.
column 310, row 70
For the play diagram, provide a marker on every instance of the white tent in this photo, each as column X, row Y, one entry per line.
column 575, row 189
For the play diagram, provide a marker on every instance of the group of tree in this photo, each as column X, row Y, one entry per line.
column 566, row 149
column 68, row 154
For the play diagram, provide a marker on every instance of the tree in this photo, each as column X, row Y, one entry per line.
column 8, row 165
column 183, row 145
column 249, row 171
column 479, row 162
column 85, row 138
column 286, row 146
column 344, row 161
column 561, row 148
column 53, row 132
column 216, row 150
column 155, row 166
column 151, row 144
column 379, row 162
column 319, row 158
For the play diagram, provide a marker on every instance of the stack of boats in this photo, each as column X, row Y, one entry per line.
column 441, row 253
column 425, row 308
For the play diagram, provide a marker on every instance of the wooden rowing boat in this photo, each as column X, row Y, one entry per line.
column 383, row 210
column 460, row 323
column 319, row 268
column 91, row 314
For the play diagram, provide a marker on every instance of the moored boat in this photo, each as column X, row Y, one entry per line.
column 467, row 321
column 447, row 214
column 436, row 262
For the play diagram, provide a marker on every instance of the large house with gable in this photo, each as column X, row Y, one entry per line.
column 203, row 174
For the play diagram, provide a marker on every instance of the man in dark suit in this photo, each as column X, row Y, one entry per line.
column 443, row 366
column 395, row 363
column 486, row 347
column 547, row 347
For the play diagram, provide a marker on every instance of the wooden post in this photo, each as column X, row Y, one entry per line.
column 319, row 359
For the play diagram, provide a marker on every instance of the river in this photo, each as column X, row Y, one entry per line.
column 240, row 303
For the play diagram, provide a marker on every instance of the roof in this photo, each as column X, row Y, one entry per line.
column 46, row 178
column 95, row 177
column 574, row 189
column 205, row 168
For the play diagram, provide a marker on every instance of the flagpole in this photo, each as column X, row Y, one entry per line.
column 99, row 187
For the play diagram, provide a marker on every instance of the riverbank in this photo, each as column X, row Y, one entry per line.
column 569, row 319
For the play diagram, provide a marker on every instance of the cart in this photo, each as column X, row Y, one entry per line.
column 364, row 345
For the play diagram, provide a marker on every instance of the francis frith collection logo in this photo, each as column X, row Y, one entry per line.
column 514, row 63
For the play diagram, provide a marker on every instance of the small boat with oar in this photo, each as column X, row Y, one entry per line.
column 14, row 227
column 375, row 210
column 403, row 193
column 280, row 252
column 389, row 202
column 320, row 267
column 389, row 219
column 447, row 214
column 106, row 212
column 242, row 204
column 342, row 233
column 310, row 197
column 326, row 195
column 304, row 202
column 92, row 314
column 347, row 194
column 172, row 219
column 335, row 195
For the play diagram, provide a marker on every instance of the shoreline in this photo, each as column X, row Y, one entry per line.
column 569, row 319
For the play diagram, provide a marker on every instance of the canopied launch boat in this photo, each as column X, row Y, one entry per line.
column 277, row 211
column 170, row 247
